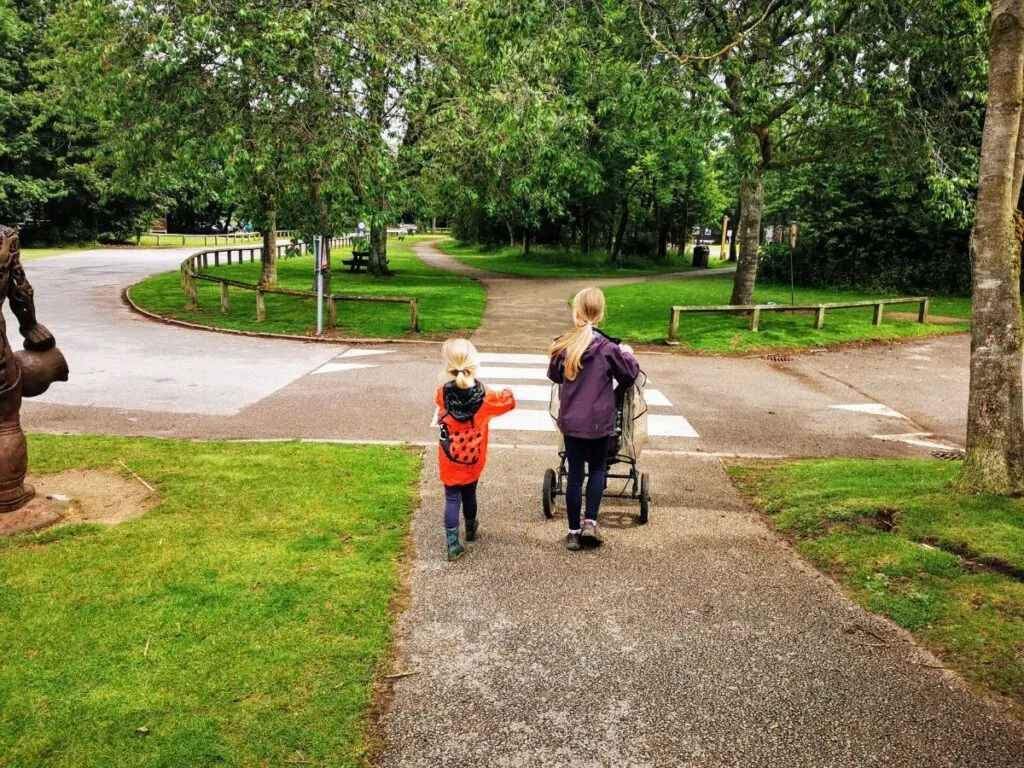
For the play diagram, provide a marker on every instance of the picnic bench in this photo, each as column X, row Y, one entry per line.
column 755, row 311
column 360, row 260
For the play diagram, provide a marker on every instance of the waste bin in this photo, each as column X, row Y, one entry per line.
column 701, row 254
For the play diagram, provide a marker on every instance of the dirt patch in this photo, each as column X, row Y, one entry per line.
column 932, row 319
column 95, row 497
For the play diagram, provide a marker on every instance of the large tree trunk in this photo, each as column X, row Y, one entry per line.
column 585, row 229
column 527, row 240
column 749, row 230
column 378, row 266
column 620, row 233
column 995, row 413
column 736, row 216
column 268, row 256
column 511, row 235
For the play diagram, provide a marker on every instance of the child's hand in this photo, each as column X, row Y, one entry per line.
column 626, row 348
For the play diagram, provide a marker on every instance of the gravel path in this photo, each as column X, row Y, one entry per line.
column 522, row 312
column 699, row 640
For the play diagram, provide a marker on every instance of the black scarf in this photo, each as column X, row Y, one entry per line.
column 462, row 404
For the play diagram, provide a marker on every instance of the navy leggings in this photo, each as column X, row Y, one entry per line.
column 454, row 495
column 595, row 454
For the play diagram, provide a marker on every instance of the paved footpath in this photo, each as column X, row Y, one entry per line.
column 698, row 640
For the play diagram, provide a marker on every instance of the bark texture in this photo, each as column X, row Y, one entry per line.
column 378, row 266
column 995, row 417
column 749, row 231
column 268, row 256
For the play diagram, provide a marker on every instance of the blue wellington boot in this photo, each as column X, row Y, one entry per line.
column 455, row 548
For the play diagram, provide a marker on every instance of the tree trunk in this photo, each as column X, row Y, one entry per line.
column 511, row 236
column 749, row 231
column 663, row 225
column 620, row 233
column 378, row 266
column 268, row 257
column 527, row 238
column 684, row 234
column 737, row 215
column 584, row 229
column 995, row 413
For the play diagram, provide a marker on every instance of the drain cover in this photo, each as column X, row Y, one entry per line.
column 779, row 358
column 948, row 455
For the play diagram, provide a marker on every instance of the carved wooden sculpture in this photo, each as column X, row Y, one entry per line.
column 24, row 374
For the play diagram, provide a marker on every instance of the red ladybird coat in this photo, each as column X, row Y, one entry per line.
column 462, row 450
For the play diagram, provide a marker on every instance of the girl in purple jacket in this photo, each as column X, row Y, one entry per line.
column 584, row 363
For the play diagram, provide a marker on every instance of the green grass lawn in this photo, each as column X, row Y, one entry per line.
column 550, row 262
column 241, row 621
column 951, row 569
column 447, row 303
column 640, row 312
column 190, row 241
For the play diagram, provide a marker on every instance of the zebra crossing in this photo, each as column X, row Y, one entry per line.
column 519, row 372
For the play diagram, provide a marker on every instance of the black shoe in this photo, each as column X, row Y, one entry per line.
column 573, row 542
column 472, row 524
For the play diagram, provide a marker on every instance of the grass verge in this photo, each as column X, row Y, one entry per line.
column 448, row 303
column 31, row 254
column 640, row 312
column 240, row 622
column 947, row 565
column 550, row 262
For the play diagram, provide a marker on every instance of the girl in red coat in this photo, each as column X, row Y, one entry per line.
column 465, row 408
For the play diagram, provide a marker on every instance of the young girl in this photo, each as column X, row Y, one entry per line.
column 584, row 363
column 465, row 408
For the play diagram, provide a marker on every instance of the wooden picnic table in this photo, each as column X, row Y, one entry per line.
column 360, row 260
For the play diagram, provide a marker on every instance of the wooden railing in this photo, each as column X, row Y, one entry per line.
column 191, row 271
column 819, row 310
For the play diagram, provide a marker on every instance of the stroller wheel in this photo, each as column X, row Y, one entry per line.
column 548, row 498
column 645, row 497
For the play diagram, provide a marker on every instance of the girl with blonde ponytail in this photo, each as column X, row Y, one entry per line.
column 585, row 363
column 465, row 408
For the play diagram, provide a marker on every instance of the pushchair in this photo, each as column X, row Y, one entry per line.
column 624, row 449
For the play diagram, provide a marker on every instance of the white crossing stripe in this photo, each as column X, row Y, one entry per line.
column 918, row 439
column 540, row 393
column 365, row 352
column 508, row 357
column 532, row 420
column 500, row 372
column 337, row 367
column 875, row 409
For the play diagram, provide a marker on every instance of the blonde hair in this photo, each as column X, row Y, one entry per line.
column 460, row 362
column 588, row 311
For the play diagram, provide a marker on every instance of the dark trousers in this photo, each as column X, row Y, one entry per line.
column 454, row 495
column 595, row 454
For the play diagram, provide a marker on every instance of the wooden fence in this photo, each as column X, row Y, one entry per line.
column 819, row 310
column 191, row 271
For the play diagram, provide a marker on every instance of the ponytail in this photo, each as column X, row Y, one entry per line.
column 573, row 344
column 461, row 362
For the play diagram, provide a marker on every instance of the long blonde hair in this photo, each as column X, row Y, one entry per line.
column 588, row 311
column 460, row 362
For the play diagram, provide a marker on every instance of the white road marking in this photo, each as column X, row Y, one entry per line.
column 875, row 409
column 532, row 420
column 915, row 438
column 503, row 357
column 337, row 367
column 540, row 393
column 365, row 352
column 500, row 372
column 669, row 426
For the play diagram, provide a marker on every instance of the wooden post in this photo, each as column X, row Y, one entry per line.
column 223, row 298
column 414, row 315
column 206, row 260
column 755, row 316
column 193, row 293
column 216, row 258
column 182, row 241
column 261, row 307
column 673, row 326
column 879, row 311
column 922, row 314
column 819, row 318
column 332, row 313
